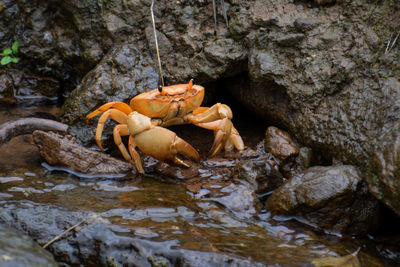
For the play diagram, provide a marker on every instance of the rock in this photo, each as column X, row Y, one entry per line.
column 331, row 93
column 306, row 24
column 64, row 151
column 19, row 250
column 386, row 161
column 239, row 199
column 262, row 173
column 333, row 198
column 280, row 144
column 290, row 40
column 19, row 87
column 98, row 243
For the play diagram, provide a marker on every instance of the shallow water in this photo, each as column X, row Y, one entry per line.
column 154, row 209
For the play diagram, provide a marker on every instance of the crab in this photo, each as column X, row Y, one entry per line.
column 166, row 106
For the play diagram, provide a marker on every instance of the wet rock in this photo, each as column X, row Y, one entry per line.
column 19, row 87
column 214, row 182
column 262, row 173
column 112, row 80
column 98, row 243
column 306, row 156
column 387, row 161
column 280, row 144
column 326, row 93
column 19, row 250
column 333, row 198
column 177, row 172
column 239, row 199
column 64, row 151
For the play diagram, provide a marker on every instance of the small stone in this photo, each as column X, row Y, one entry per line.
column 280, row 144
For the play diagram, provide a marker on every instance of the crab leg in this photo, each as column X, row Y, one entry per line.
column 216, row 112
column 125, row 108
column 122, row 130
column 135, row 155
column 217, row 118
column 223, row 135
column 236, row 139
column 222, row 129
column 114, row 114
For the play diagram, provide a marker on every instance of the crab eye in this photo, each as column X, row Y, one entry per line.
column 160, row 88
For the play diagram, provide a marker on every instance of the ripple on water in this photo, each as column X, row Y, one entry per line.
column 5, row 195
column 63, row 187
column 26, row 190
column 145, row 232
column 82, row 175
column 113, row 187
column 154, row 214
column 8, row 179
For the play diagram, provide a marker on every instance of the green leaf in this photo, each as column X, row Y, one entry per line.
column 6, row 60
column 14, row 47
column 7, row 52
column 14, row 59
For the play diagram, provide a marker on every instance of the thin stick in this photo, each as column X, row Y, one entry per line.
column 155, row 40
column 388, row 45
column 62, row 234
column 394, row 42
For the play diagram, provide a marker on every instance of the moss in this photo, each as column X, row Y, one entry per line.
column 110, row 262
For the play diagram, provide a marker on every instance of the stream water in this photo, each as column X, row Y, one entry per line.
column 151, row 208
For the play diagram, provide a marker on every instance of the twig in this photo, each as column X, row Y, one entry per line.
column 62, row 234
column 394, row 42
column 388, row 45
column 155, row 40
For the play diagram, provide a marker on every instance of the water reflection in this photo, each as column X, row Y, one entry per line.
column 151, row 209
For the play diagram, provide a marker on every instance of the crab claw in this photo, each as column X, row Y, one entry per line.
column 159, row 142
column 164, row 145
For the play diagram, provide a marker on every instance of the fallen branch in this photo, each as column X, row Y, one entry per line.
column 11, row 129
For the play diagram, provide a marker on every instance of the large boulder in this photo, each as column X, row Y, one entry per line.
column 20, row 250
column 333, row 198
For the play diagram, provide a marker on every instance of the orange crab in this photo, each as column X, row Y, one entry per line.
column 166, row 106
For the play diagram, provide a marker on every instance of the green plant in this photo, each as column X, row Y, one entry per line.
column 10, row 54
